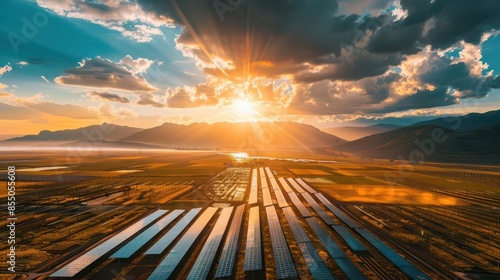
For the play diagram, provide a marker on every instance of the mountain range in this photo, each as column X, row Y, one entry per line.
column 470, row 138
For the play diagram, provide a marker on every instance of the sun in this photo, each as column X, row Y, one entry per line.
column 243, row 107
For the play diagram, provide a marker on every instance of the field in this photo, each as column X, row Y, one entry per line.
column 444, row 219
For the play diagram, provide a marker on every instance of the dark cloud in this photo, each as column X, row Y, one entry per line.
column 106, row 95
column 103, row 73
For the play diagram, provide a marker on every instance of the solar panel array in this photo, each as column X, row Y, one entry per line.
column 171, row 261
column 349, row 239
column 305, row 186
column 298, row 231
column 336, row 211
column 316, row 266
column 263, row 181
column 77, row 265
column 394, row 257
column 345, row 264
column 281, row 198
column 172, row 234
column 135, row 244
column 253, row 252
column 284, row 263
column 253, row 188
column 206, row 257
column 266, row 196
column 302, row 209
column 285, row 185
column 269, row 173
column 321, row 213
column 228, row 256
column 296, row 186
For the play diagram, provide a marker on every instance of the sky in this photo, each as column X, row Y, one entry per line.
column 72, row 63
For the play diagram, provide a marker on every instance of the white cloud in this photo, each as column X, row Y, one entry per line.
column 5, row 69
column 45, row 79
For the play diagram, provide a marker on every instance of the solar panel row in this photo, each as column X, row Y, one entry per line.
column 321, row 213
column 281, row 198
column 172, row 234
column 345, row 264
column 266, row 195
column 285, row 185
column 263, row 181
column 298, row 204
column 171, row 261
column 298, row 231
column 284, row 263
column 253, row 252
column 135, row 244
column 306, row 186
column 228, row 256
column 316, row 266
column 349, row 239
column 394, row 257
column 206, row 257
column 269, row 173
column 253, row 188
column 77, row 265
column 336, row 211
column 296, row 186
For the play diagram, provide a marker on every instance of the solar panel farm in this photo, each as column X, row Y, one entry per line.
column 210, row 215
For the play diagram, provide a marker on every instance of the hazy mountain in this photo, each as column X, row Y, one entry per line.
column 434, row 143
column 105, row 131
column 259, row 135
column 466, row 122
column 351, row 133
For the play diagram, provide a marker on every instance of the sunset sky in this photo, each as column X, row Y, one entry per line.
column 69, row 63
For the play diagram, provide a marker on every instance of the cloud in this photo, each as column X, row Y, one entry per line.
column 63, row 110
column 319, row 57
column 2, row 86
column 5, row 94
column 122, row 16
column 103, row 73
column 45, row 79
column 126, row 112
column 149, row 99
column 136, row 66
column 6, row 68
column 10, row 112
column 22, row 63
column 108, row 96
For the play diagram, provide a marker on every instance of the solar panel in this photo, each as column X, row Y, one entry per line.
column 297, row 229
column 345, row 264
column 393, row 256
column 321, row 213
column 228, row 256
column 285, row 185
column 77, row 265
column 296, row 201
column 305, row 185
column 175, row 256
column 263, row 181
column 284, row 263
column 336, row 211
column 349, row 239
column 269, row 173
column 266, row 195
column 316, row 266
column 172, row 234
column 135, row 244
column 296, row 186
column 206, row 257
column 281, row 198
column 330, row 245
column 253, row 252
column 253, row 188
